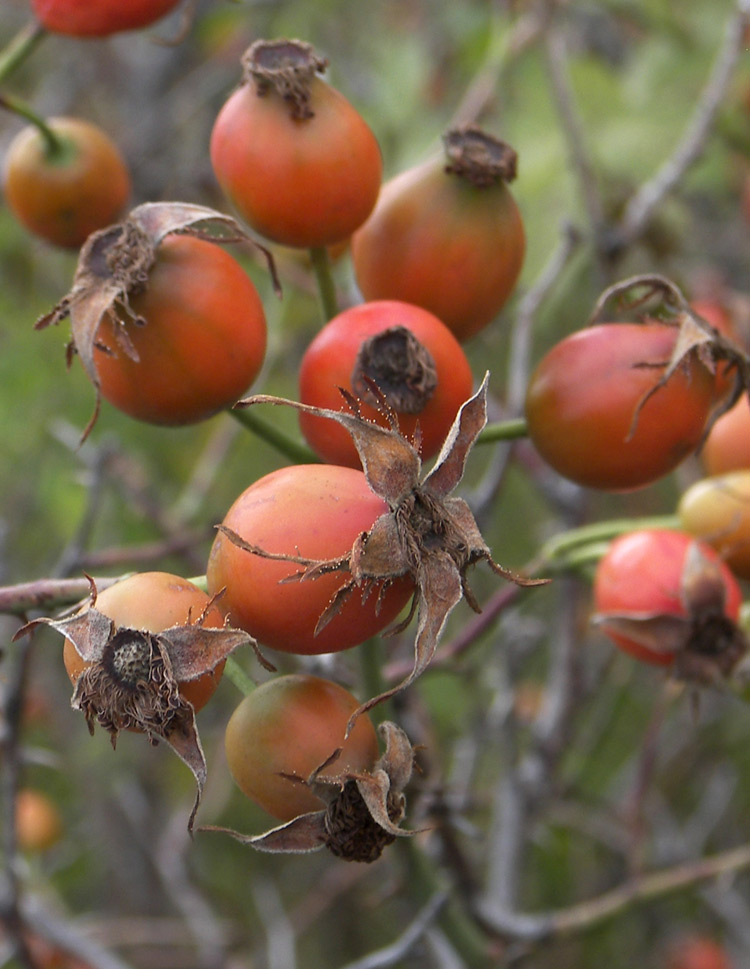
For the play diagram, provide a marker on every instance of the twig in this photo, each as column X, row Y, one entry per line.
column 586, row 915
column 391, row 954
column 48, row 594
column 642, row 204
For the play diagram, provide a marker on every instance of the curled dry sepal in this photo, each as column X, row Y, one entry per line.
column 707, row 645
column 655, row 296
column 426, row 534
column 114, row 265
column 133, row 676
column 362, row 811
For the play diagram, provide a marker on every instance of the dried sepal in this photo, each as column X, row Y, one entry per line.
column 426, row 535
column 113, row 266
column 707, row 645
column 362, row 812
column 131, row 677
column 698, row 339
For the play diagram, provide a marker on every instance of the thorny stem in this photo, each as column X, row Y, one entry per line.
column 321, row 265
column 19, row 48
column 54, row 146
column 297, row 452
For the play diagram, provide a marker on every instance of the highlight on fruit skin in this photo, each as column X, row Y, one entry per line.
column 99, row 18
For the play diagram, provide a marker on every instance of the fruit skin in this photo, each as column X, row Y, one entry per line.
column 203, row 342
column 316, row 511
column 62, row 196
column 442, row 243
column 642, row 572
column 291, row 725
column 582, row 399
column 153, row 602
column 329, row 361
column 38, row 822
column 98, row 18
column 717, row 510
column 696, row 952
column 727, row 446
column 299, row 182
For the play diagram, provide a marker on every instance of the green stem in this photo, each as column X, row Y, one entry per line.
column 54, row 145
column 326, row 289
column 20, row 48
column 373, row 684
column 297, row 452
column 562, row 545
column 235, row 674
column 504, row 431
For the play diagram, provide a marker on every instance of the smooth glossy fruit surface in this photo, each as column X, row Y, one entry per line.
column 301, row 182
column 727, row 446
column 64, row 194
column 717, row 510
column 153, row 602
column 423, row 372
column 98, row 18
column 642, row 573
column 444, row 244
column 584, row 414
column 315, row 511
column 291, row 725
column 202, row 344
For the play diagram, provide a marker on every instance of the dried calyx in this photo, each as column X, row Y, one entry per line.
column 113, row 266
column 651, row 297
column 708, row 647
column 286, row 67
column 394, row 365
column 131, row 678
column 427, row 534
column 362, row 811
column 479, row 157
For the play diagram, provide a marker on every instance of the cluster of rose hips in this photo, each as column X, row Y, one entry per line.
column 318, row 557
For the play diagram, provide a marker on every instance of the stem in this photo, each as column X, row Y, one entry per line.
column 508, row 430
column 54, row 145
column 20, row 48
column 562, row 545
column 235, row 674
column 424, row 881
column 326, row 289
column 373, row 682
column 297, row 452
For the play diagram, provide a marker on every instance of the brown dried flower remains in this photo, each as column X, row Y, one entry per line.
column 131, row 680
column 362, row 811
column 707, row 645
column 427, row 534
column 114, row 265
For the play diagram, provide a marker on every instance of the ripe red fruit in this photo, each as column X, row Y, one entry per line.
column 202, row 343
column 98, row 18
column 727, row 446
column 315, row 511
column 297, row 161
column 449, row 237
column 584, row 413
column 666, row 599
column 63, row 193
column 289, row 726
column 413, row 358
